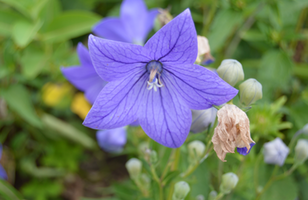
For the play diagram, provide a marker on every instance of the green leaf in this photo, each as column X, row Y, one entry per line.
column 24, row 31
column 68, row 131
column 7, row 19
column 32, row 61
column 275, row 72
column 283, row 189
column 223, row 26
column 29, row 8
column 18, row 100
column 7, row 192
column 68, row 25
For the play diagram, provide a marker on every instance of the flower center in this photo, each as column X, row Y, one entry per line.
column 154, row 68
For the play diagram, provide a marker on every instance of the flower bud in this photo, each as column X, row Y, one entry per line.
column 250, row 91
column 231, row 71
column 212, row 195
column 112, row 140
column 163, row 18
column 153, row 157
column 204, row 52
column 200, row 197
column 275, row 152
column 134, row 167
column 301, row 151
column 196, row 150
column 228, row 183
column 305, row 129
column 181, row 189
column 202, row 119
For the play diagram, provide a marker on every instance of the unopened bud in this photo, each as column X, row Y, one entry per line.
column 204, row 51
column 134, row 167
column 250, row 91
column 231, row 71
column 163, row 18
column 301, row 151
column 305, row 129
column 196, row 150
column 200, row 197
column 181, row 189
column 202, row 119
column 228, row 183
column 153, row 157
column 212, row 195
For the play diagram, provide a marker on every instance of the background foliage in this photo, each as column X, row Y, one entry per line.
column 48, row 154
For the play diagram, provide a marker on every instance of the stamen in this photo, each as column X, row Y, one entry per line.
column 154, row 84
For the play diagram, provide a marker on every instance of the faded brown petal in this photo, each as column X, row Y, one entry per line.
column 232, row 131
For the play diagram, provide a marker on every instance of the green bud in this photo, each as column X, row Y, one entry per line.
column 181, row 189
column 301, row 151
column 250, row 91
column 134, row 167
column 231, row 71
column 212, row 195
column 196, row 150
column 228, row 183
column 153, row 157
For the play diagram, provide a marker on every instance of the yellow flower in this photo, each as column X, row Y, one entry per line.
column 80, row 105
column 53, row 94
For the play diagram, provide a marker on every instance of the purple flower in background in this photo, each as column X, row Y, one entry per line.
column 275, row 152
column 202, row 119
column 157, row 84
column 243, row 150
column 133, row 25
column 112, row 140
column 84, row 77
column 3, row 174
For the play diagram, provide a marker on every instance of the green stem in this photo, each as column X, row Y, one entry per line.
column 154, row 174
column 238, row 35
column 194, row 166
column 176, row 159
column 210, row 18
column 219, row 196
column 256, row 171
column 144, row 191
column 276, row 178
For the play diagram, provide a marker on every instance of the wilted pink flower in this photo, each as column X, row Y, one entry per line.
column 232, row 131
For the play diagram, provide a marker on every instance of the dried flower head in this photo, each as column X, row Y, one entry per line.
column 232, row 131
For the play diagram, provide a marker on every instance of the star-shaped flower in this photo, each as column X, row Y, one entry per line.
column 84, row 77
column 133, row 25
column 275, row 152
column 169, row 57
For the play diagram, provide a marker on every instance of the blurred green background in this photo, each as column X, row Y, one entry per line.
column 48, row 154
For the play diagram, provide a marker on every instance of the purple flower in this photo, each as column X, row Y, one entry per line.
column 133, row 25
column 3, row 174
column 275, row 152
column 243, row 150
column 112, row 140
column 84, row 76
column 157, row 84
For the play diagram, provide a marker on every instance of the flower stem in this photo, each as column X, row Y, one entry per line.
column 238, row 35
column 144, row 191
column 176, row 159
column 219, row 196
column 276, row 178
column 154, row 174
